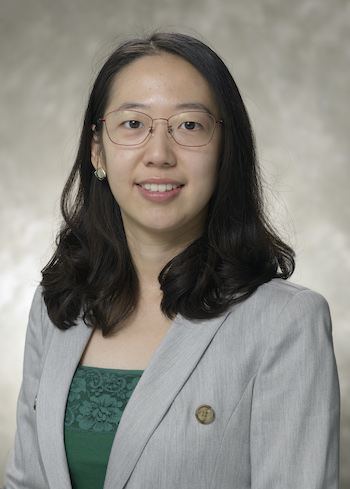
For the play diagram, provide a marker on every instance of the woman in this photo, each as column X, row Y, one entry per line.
column 166, row 301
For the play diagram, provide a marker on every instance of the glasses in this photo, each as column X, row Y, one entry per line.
column 131, row 127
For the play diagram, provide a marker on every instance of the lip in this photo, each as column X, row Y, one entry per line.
column 160, row 196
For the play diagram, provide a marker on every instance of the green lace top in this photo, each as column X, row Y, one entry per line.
column 95, row 404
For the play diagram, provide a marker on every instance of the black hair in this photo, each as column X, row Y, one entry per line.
column 92, row 272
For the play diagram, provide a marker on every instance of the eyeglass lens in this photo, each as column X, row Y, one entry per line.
column 129, row 128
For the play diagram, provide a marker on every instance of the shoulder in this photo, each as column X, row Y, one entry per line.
column 40, row 328
column 38, row 308
column 41, row 331
column 295, row 313
column 280, row 307
column 38, row 312
column 282, row 296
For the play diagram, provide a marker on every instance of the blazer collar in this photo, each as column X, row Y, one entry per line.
column 63, row 356
column 172, row 364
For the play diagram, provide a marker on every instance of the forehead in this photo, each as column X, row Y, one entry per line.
column 162, row 81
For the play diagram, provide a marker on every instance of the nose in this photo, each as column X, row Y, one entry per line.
column 160, row 146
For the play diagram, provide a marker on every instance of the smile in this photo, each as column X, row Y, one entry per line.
column 162, row 187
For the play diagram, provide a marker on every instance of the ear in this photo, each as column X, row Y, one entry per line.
column 96, row 150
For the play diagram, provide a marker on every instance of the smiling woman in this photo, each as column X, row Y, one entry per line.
column 182, row 150
column 165, row 347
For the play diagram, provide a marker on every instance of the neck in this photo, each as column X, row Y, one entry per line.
column 151, row 253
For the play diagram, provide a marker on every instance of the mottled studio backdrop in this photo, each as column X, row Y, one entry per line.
column 291, row 60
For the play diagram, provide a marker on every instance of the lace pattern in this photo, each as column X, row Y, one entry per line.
column 97, row 399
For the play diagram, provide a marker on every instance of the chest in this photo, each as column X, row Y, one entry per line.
column 131, row 347
column 195, row 364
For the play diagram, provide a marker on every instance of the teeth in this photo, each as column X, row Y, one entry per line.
column 163, row 187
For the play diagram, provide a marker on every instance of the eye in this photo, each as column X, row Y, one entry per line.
column 190, row 125
column 133, row 124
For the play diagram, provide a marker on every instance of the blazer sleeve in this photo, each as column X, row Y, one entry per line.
column 295, row 408
column 24, row 465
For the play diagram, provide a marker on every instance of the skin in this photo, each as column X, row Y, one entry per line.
column 157, row 86
column 155, row 230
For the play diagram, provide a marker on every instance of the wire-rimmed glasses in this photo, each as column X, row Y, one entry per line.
column 131, row 127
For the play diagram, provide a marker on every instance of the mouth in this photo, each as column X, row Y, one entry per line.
column 163, row 191
column 162, row 187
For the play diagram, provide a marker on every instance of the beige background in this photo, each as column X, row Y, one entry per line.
column 291, row 62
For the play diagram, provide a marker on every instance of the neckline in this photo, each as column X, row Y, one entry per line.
column 120, row 371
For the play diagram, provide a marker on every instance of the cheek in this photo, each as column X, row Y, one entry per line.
column 118, row 167
column 208, row 171
column 117, row 178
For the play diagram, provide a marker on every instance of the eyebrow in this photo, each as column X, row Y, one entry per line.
column 132, row 105
column 183, row 106
column 193, row 106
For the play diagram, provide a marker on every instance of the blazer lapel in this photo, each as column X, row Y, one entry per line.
column 63, row 356
column 170, row 367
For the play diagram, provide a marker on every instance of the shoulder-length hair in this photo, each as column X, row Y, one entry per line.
column 92, row 272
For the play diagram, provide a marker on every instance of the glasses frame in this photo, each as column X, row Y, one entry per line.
column 151, row 128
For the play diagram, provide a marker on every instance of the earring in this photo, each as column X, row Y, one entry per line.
column 100, row 174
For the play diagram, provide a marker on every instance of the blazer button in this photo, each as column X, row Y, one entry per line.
column 205, row 414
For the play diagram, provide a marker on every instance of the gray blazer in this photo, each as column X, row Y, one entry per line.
column 266, row 368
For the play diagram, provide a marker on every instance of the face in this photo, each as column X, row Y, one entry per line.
column 162, row 188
